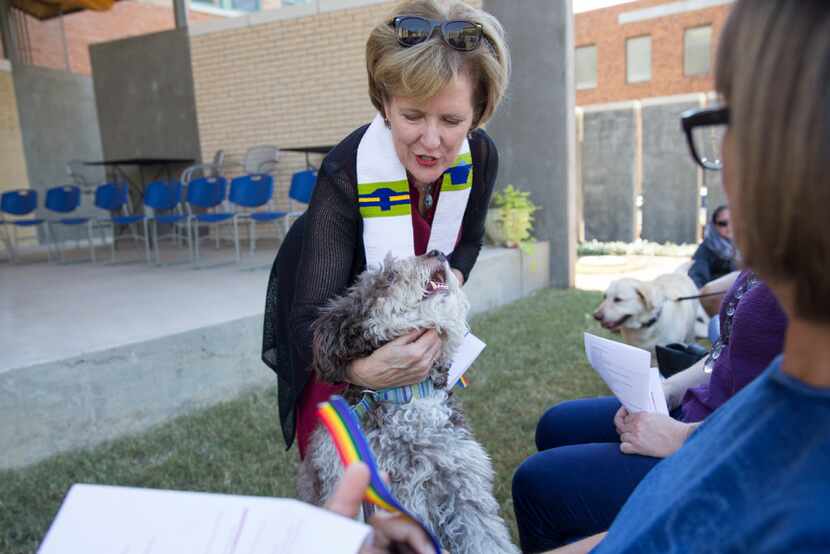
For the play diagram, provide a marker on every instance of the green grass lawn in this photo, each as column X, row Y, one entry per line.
column 534, row 358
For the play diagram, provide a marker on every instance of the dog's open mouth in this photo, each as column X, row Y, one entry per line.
column 614, row 325
column 437, row 282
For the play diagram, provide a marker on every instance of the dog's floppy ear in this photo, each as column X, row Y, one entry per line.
column 339, row 338
column 646, row 293
column 650, row 295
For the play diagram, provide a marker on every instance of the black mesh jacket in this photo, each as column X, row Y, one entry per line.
column 322, row 255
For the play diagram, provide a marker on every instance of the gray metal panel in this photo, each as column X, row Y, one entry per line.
column 58, row 123
column 534, row 128
column 670, row 178
column 713, row 181
column 146, row 103
column 608, row 174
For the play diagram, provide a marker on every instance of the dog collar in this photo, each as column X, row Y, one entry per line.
column 394, row 395
column 653, row 320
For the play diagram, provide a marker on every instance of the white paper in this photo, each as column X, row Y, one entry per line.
column 628, row 373
column 658, row 395
column 464, row 358
column 120, row 520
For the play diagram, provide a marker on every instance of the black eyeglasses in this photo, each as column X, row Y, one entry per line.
column 722, row 223
column 460, row 35
column 704, row 130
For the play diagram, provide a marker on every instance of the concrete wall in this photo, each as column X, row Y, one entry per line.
column 534, row 128
column 609, row 173
column 671, row 180
column 58, row 123
column 78, row 401
column 81, row 401
column 145, row 100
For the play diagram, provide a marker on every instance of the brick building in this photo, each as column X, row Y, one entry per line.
column 42, row 42
column 646, row 48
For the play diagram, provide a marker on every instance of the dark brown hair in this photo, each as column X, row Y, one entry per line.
column 773, row 71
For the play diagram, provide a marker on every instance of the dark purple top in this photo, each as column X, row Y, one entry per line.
column 757, row 337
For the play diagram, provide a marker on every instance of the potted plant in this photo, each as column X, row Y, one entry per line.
column 510, row 218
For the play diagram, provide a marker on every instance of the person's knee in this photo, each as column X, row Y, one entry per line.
column 525, row 479
column 552, row 427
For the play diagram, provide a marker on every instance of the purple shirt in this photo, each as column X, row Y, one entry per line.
column 758, row 330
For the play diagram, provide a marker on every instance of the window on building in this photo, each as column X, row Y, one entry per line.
column 697, row 47
column 586, row 67
column 638, row 59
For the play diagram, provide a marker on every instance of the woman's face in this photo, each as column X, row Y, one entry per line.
column 428, row 134
column 723, row 223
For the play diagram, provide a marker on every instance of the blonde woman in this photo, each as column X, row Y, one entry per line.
column 418, row 178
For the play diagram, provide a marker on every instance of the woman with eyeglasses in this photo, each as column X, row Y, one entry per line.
column 715, row 257
column 417, row 179
column 754, row 476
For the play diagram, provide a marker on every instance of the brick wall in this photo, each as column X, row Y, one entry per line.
column 127, row 18
column 602, row 28
column 12, row 159
column 290, row 82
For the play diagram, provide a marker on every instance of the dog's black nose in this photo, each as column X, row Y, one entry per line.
column 437, row 254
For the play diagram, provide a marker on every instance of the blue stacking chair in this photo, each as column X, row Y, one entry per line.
column 302, row 187
column 66, row 199
column 164, row 199
column 208, row 193
column 251, row 192
column 114, row 198
column 21, row 203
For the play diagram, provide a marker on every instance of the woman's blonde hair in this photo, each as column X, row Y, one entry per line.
column 773, row 71
column 422, row 70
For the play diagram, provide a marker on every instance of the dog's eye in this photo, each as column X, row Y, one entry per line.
column 617, row 299
column 390, row 277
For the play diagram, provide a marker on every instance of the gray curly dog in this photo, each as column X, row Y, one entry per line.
column 436, row 468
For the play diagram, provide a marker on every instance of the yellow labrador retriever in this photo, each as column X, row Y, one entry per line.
column 649, row 313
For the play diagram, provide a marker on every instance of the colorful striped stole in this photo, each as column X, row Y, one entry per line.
column 352, row 446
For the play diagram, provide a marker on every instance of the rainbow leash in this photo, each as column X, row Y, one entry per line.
column 351, row 445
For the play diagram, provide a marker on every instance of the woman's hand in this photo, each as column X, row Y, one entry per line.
column 404, row 361
column 391, row 533
column 650, row 434
column 459, row 276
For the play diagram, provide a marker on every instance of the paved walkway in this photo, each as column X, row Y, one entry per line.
column 597, row 272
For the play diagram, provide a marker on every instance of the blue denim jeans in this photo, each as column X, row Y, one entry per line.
column 578, row 481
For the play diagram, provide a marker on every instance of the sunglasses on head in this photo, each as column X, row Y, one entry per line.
column 459, row 35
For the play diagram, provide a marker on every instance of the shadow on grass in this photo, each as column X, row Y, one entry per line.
column 534, row 358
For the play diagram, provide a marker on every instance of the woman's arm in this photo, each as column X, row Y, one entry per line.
column 711, row 304
column 486, row 160
column 675, row 387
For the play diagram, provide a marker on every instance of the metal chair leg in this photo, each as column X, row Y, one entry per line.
column 236, row 238
column 196, row 243
column 91, row 244
column 189, row 243
column 253, row 237
column 146, row 242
